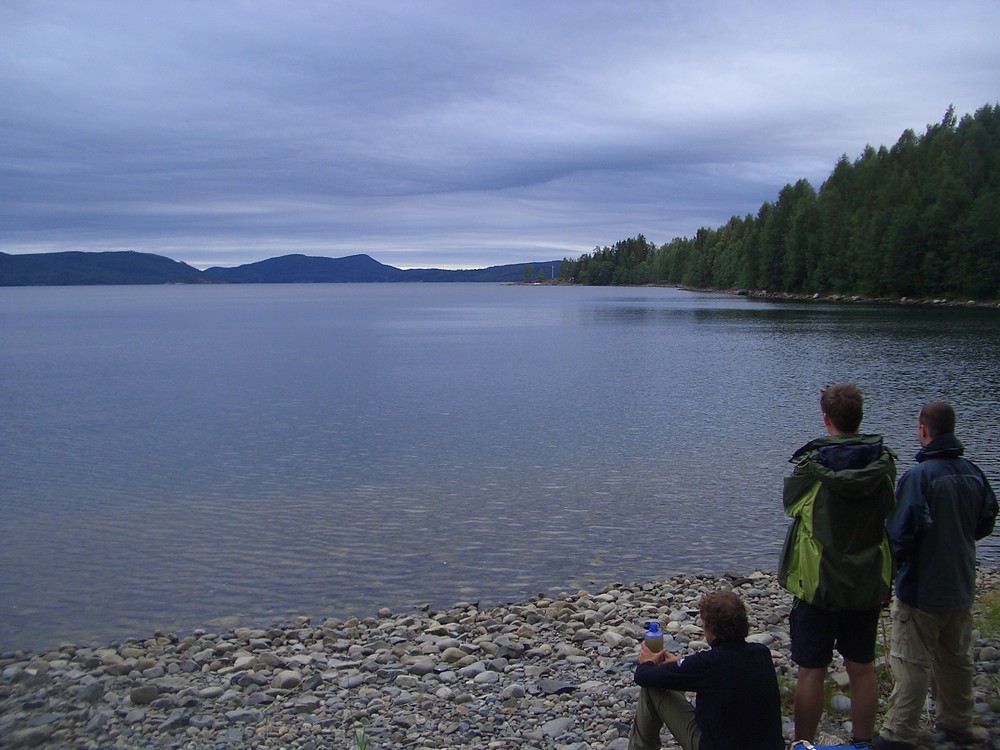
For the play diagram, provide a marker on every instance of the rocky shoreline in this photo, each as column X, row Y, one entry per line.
column 552, row 672
column 818, row 297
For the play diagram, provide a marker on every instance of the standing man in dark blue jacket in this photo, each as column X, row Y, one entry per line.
column 738, row 704
column 945, row 504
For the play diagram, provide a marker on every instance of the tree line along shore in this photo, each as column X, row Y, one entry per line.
column 918, row 220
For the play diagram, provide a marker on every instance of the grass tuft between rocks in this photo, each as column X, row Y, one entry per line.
column 986, row 613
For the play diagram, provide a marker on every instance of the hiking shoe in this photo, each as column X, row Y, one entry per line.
column 881, row 743
column 954, row 736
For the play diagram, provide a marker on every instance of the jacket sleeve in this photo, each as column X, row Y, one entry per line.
column 911, row 516
column 684, row 675
column 794, row 489
column 989, row 515
column 889, row 499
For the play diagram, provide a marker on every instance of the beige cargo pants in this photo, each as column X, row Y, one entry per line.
column 929, row 650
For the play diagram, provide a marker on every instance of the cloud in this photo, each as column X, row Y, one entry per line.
column 448, row 133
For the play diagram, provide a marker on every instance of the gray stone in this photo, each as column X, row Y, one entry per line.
column 555, row 687
column 44, row 719
column 453, row 654
column 270, row 659
column 287, row 679
column 311, row 683
column 234, row 736
column 421, row 668
column 513, row 691
column 243, row 716
column 351, row 681
column 31, row 737
column 141, row 695
column 99, row 720
column 840, row 704
column 472, row 670
column 164, row 703
column 612, row 638
column 178, row 718
column 306, row 705
column 556, row 727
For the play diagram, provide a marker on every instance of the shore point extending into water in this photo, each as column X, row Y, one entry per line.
column 551, row 672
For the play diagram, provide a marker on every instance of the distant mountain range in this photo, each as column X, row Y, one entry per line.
column 128, row 267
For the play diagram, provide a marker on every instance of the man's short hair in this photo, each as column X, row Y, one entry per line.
column 844, row 404
column 725, row 614
column 938, row 417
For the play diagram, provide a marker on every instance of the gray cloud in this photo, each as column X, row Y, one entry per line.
column 448, row 134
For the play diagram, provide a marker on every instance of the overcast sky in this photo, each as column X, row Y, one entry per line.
column 449, row 133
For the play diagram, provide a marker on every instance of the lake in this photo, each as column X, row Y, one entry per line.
column 179, row 457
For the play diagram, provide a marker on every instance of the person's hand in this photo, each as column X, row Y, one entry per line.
column 658, row 657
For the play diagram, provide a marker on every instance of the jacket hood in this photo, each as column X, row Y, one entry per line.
column 840, row 449
column 846, row 461
column 943, row 446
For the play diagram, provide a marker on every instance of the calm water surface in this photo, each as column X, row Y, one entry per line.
column 181, row 457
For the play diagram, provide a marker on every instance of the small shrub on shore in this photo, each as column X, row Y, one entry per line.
column 986, row 619
column 883, row 671
column 986, row 613
column 786, row 688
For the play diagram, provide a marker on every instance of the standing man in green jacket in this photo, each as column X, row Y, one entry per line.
column 836, row 559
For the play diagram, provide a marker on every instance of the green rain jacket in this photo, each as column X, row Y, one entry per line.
column 836, row 554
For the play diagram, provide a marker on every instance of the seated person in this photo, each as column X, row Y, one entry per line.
column 738, row 706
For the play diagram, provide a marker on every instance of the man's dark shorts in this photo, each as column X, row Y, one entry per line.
column 816, row 631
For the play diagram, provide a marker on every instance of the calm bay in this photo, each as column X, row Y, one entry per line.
column 205, row 456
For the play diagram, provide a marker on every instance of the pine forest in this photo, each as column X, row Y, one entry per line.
column 919, row 220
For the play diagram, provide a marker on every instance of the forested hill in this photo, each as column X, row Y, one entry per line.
column 74, row 268
column 919, row 219
column 128, row 267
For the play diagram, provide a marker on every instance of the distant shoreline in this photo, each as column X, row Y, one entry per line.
column 788, row 296
column 856, row 298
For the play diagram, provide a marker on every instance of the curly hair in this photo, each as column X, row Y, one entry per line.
column 843, row 403
column 725, row 613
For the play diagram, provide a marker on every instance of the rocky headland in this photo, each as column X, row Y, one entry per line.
column 552, row 672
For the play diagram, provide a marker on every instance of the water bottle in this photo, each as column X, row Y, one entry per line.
column 654, row 637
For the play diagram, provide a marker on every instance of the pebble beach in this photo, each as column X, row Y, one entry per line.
column 551, row 672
